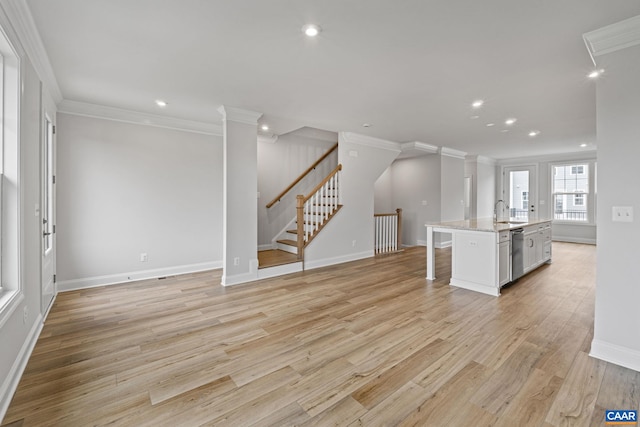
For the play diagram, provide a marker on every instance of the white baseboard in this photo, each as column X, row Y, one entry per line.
column 613, row 353
column 437, row 245
column 12, row 380
column 573, row 240
column 237, row 279
column 489, row 290
column 442, row 245
column 279, row 270
column 310, row 265
column 112, row 279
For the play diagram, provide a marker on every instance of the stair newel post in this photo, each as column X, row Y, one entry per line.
column 300, row 224
column 399, row 211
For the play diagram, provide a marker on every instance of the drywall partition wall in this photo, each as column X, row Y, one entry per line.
column 383, row 193
column 240, row 210
column 617, row 318
column 451, row 191
column 126, row 190
column 279, row 164
column 349, row 235
column 416, row 190
column 485, row 187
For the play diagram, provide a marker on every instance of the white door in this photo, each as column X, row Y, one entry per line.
column 48, row 211
column 519, row 191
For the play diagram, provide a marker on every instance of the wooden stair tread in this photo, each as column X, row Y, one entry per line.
column 288, row 242
column 292, row 231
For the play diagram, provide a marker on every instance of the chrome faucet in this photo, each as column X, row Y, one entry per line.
column 495, row 209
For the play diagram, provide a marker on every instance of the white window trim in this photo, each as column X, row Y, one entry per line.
column 591, row 194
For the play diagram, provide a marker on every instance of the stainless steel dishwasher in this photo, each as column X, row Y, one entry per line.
column 517, row 253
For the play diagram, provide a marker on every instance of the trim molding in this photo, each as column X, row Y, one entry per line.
column 12, row 380
column 369, row 141
column 25, row 28
column 113, row 279
column 279, row 270
column 234, row 114
column 310, row 265
column 613, row 37
column 128, row 116
column 442, row 245
column 613, row 353
column 419, row 146
column 463, row 284
column 573, row 240
column 450, row 152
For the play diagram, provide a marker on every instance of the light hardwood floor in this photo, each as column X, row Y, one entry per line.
column 365, row 343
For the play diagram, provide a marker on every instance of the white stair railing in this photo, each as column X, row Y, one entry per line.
column 317, row 208
column 388, row 232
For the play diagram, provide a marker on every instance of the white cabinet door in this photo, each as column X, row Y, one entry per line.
column 530, row 238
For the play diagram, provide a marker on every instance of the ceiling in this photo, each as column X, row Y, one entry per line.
column 410, row 69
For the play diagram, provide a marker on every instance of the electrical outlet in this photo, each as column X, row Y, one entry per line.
column 25, row 314
column 236, row 261
column 144, row 257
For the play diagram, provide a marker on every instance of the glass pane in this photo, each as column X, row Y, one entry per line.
column 570, row 207
column 571, row 178
column 519, row 194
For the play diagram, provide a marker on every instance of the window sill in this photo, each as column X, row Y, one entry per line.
column 9, row 301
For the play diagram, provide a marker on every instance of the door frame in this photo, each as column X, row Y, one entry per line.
column 48, row 285
column 534, row 193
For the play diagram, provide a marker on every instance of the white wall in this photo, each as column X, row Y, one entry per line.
column 617, row 317
column 383, row 193
column 486, row 189
column 349, row 235
column 280, row 163
column 126, row 189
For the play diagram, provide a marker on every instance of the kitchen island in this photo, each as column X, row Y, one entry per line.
column 482, row 252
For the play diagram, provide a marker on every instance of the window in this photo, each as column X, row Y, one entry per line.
column 10, row 291
column 525, row 200
column 570, row 192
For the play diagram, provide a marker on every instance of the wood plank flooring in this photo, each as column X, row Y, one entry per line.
column 366, row 343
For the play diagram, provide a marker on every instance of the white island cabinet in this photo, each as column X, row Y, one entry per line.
column 481, row 251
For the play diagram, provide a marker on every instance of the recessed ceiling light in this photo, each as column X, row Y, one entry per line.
column 534, row 133
column 477, row 104
column 366, row 125
column 510, row 121
column 161, row 103
column 311, row 30
column 595, row 74
column 474, row 117
column 490, row 124
column 583, row 145
column 264, row 127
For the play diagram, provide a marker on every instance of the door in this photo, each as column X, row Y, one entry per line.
column 48, row 211
column 519, row 191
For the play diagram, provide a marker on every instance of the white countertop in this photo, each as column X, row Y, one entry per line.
column 486, row 224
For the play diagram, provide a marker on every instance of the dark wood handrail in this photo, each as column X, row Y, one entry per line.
column 298, row 179
column 324, row 181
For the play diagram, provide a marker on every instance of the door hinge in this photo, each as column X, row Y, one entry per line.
column 54, row 278
column 54, row 129
column 54, row 229
column 54, row 179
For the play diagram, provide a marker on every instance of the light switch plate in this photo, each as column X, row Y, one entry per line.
column 622, row 214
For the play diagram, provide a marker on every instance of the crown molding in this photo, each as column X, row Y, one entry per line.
column 419, row 146
column 613, row 37
column 369, row 141
column 120, row 115
column 481, row 159
column 19, row 15
column 450, row 152
column 586, row 155
column 234, row 114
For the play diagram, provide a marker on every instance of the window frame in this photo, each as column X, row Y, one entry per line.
column 589, row 196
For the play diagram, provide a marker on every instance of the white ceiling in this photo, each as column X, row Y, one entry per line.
column 410, row 68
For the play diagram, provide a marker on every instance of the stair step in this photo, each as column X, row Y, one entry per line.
column 289, row 242
column 292, row 231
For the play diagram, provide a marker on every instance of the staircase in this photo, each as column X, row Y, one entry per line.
column 312, row 212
